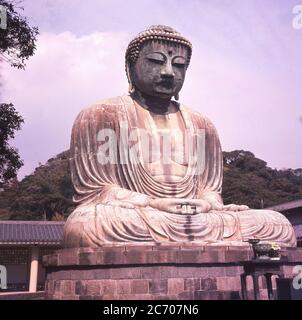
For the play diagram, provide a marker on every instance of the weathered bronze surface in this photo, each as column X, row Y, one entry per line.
column 159, row 178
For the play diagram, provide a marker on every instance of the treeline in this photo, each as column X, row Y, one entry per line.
column 248, row 180
column 44, row 195
column 47, row 193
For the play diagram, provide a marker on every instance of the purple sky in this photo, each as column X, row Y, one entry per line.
column 245, row 73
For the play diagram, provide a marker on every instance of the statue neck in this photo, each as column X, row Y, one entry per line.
column 153, row 104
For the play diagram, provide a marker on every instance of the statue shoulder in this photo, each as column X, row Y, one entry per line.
column 199, row 119
column 110, row 105
column 106, row 108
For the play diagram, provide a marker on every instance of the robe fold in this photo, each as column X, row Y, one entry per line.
column 112, row 196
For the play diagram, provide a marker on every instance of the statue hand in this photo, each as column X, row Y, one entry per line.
column 216, row 205
column 235, row 207
column 122, row 204
column 202, row 206
column 180, row 206
column 219, row 206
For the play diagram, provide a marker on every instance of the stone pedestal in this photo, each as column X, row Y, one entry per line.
column 182, row 272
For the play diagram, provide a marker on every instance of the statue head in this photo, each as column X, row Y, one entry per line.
column 156, row 62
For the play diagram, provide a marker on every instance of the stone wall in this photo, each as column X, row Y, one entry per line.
column 186, row 272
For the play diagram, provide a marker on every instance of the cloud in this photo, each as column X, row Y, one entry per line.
column 253, row 102
column 66, row 74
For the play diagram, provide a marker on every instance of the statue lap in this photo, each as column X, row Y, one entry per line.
column 94, row 225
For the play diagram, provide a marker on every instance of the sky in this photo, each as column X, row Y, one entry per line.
column 245, row 73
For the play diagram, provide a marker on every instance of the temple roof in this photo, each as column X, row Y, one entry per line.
column 31, row 232
column 47, row 232
column 298, row 230
column 287, row 206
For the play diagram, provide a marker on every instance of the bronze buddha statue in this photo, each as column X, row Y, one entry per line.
column 146, row 168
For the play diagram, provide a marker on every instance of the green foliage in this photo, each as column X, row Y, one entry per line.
column 17, row 41
column 45, row 194
column 10, row 162
column 17, row 44
column 248, row 180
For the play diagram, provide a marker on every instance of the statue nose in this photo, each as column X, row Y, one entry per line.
column 167, row 71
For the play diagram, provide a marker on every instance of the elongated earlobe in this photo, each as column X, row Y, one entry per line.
column 176, row 97
column 131, row 87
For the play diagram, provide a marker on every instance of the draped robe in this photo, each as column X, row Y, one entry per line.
column 100, row 187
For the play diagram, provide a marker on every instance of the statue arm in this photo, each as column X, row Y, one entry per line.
column 212, row 184
column 210, row 181
column 93, row 181
column 115, row 195
column 213, row 198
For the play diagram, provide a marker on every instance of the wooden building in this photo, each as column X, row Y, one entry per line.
column 22, row 245
column 293, row 211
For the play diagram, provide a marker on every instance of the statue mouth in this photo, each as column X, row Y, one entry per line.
column 167, row 84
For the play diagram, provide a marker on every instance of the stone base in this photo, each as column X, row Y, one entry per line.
column 135, row 272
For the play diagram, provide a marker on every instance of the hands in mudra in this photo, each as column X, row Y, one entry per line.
column 192, row 206
column 183, row 206
column 229, row 207
column 180, row 206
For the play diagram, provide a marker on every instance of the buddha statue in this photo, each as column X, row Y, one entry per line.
column 147, row 169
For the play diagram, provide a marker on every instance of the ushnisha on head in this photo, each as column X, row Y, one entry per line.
column 156, row 62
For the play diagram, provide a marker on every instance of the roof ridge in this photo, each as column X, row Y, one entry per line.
column 32, row 222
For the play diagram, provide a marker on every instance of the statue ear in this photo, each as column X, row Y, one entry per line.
column 131, row 88
column 176, row 97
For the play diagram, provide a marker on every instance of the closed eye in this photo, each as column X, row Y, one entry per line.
column 179, row 62
column 157, row 61
column 156, row 57
column 179, row 65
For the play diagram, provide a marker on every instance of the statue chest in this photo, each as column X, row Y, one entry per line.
column 164, row 146
column 164, row 155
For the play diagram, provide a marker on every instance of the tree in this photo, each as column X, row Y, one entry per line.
column 10, row 162
column 45, row 194
column 17, row 44
column 17, row 41
column 248, row 180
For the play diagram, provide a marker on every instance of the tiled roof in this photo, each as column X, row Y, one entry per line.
column 31, row 232
column 47, row 232
column 287, row 206
column 298, row 230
